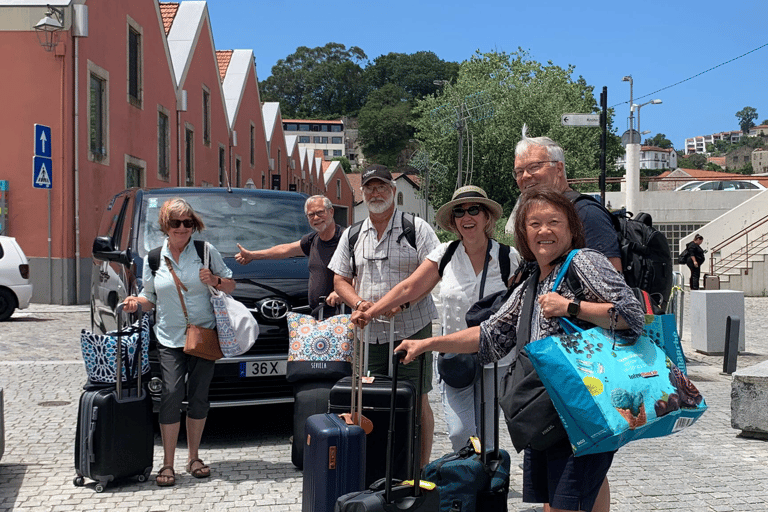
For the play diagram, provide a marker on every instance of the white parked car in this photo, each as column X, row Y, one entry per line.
column 722, row 185
column 15, row 288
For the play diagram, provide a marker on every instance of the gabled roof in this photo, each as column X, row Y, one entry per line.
column 336, row 121
column 222, row 59
column 270, row 111
column 168, row 12
column 290, row 144
column 239, row 64
column 183, row 35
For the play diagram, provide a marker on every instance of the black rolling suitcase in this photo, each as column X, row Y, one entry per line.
column 387, row 494
column 114, row 437
column 377, row 394
column 334, row 451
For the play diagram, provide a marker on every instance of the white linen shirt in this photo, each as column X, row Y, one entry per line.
column 160, row 289
column 381, row 264
column 460, row 286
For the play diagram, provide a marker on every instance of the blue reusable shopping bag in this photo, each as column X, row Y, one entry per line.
column 609, row 391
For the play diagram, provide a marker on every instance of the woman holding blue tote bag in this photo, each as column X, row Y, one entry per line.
column 547, row 228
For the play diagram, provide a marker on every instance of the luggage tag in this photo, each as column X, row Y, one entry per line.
column 423, row 484
column 476, row 445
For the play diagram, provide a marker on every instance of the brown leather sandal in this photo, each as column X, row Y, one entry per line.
column 201, row 472
column 166, row 480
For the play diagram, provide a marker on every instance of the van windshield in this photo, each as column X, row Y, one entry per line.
column 255, row 221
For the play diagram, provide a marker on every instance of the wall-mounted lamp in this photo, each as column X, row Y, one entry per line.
column 48, row 28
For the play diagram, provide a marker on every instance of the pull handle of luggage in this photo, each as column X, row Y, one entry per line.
column 355, row 415
column 119, row 354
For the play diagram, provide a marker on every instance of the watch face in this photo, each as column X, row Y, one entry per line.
column 573, row 308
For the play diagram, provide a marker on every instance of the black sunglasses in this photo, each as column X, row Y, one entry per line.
column 459, row 212
column 175, row 223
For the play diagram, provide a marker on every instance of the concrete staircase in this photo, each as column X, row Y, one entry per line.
column 738, row 243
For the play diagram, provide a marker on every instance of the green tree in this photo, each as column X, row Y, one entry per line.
column 695, row 161
column 746, row 117
column 659, row 140
column 519, row 90
column 384, row 124
column 415, row 72
column 325, row 82
column 344, row 163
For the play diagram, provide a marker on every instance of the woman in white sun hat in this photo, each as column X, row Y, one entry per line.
column 474, row 270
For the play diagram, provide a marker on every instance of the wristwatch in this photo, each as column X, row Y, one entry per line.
column 574, row 308
column 357, row 304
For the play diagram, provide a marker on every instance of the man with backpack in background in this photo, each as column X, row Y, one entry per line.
column 694, row 259
column 371, row 258
column 541, row 161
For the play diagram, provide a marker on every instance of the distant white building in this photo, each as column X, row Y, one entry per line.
column 652, row 157
column 699, row 144
column 327, row 136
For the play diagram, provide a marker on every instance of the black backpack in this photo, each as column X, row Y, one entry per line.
column 646, row 260
column 682, row 258
column 153, row 258
column 409, row 232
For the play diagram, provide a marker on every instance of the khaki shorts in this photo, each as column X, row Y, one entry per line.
column 380, row 355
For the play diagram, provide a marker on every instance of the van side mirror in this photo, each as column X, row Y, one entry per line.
column 104, row 249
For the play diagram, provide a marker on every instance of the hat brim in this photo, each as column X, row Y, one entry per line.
column 443, row 216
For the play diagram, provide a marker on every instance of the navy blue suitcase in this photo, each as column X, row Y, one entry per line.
column 333, row 457
column 309, row 398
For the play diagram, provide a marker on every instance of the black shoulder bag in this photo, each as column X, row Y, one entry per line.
column 530, row 415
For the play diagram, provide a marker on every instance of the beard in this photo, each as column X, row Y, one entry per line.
column 322, row 227
column 380, row 206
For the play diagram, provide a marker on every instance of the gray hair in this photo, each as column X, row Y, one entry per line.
column 554, row 151
column 326, row 202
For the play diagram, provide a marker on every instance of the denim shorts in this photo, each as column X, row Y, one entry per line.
column 556, row 477
column 380, row 355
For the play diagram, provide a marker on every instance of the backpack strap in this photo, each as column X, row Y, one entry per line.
column 354, row 234
column 153, row 258
column 447, row 256
column 504, row 263
column 575, row 197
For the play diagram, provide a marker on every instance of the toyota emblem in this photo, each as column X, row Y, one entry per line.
column 274, row 309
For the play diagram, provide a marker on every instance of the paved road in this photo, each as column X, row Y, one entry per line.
column 705, row 468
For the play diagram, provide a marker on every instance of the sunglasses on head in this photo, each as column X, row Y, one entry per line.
column 175, row 223
column 459, row 212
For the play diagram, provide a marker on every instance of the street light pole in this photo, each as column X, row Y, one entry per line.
column 632, row 178
column 638, row 107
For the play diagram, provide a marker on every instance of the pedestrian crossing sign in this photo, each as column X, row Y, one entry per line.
column 42, row 177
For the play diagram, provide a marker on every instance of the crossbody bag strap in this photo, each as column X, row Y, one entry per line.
column 485, row 269
column 179, row 286
column 526, row 313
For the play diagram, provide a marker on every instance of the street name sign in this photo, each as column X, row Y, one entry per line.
column 580, row 120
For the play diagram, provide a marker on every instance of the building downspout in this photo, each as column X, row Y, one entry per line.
column 75, row 143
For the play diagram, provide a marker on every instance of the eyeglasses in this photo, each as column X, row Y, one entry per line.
column 175, row 223
column 370, row 189
column 458, row 212
column 319, row 213
column 532, row 168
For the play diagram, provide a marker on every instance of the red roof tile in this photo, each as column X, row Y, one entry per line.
column 222, row 58
column 168, row 11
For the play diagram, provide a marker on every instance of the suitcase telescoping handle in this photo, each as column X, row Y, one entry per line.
column 119, row 354
column 483, row 441
column 396, row 357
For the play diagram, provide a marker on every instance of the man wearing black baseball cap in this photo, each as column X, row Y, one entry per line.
column 381, row 257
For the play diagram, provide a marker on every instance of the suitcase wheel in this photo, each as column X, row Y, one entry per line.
column 99, row 487
column 79, row 481
column 142, row 478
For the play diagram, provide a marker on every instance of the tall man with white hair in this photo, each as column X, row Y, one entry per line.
column 382, row 257
column 319, row 245
column 540, row 161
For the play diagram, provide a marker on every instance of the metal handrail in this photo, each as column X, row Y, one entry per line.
column 741, row 255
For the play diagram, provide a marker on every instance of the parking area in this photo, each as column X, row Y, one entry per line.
column 704, row 468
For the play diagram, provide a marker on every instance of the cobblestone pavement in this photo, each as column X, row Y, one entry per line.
column 707, row 467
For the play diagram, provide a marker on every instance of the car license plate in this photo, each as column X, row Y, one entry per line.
column 268, row 368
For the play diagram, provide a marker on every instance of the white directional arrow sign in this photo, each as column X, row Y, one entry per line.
column 580, row 120
column 43, row 140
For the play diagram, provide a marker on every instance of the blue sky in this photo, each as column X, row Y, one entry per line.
column 658, row 43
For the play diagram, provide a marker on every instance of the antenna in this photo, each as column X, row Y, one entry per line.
column 473, row 108
column 420, row 161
